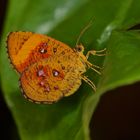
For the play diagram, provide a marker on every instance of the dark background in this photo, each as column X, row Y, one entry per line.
column 117, row 116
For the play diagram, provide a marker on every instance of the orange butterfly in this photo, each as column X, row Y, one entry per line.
column 49, row 69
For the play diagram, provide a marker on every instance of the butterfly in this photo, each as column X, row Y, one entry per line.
column 48, row 68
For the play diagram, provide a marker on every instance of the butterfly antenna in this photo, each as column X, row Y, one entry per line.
column 83, row 31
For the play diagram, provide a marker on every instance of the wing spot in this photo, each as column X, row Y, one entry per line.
column 41, row 73
column 47, row 89
column 43, row 48
column 63, row 68
column 56, row 87
column 55, row 73
column 54, row 50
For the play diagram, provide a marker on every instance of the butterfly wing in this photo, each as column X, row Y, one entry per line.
column 48, row 67
column 47, row 81
column 15, row 42
column 40, row 82
column 25, row 48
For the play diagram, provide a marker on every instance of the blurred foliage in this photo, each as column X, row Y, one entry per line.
column 63, row 20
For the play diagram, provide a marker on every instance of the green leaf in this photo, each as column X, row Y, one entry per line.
column 63, row 20
column 121, row 67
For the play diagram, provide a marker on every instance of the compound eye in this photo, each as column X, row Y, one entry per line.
column 79, row 48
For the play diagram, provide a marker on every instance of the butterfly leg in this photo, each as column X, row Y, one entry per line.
column 97, row 53
column 89, row 82
column 94, row 67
